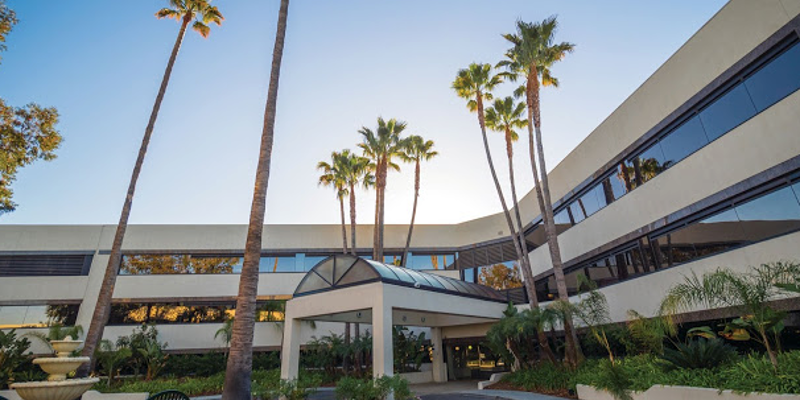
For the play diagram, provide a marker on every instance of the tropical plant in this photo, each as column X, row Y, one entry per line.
column 699, row 353
column 333, row 176
column 349, row 388
column 592, row 310
column 12, row 355
column 382, row 146
column 225, row 332
column 294, row 389
column 57, row 331
column 647, row 334
column 145, row 347
column 110, row 359
column 747, row 293
column 416, row 150
column 356, row 171
column 184, row 11
column 530, row 59
column 475, row 84
column 506, row 116
column 409, row 349
column 615, row 380
column 240, row 359
column 152, row 353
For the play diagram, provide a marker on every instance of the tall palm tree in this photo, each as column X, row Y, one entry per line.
column 333, row 175
column 184, row 11
column 474, row 84
column 240, row 361
column 417, row 150
column 356, row 170
column 530, row 59
column 382, row 146
column 506, row 116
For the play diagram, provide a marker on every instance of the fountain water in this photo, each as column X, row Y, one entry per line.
column 57, row 386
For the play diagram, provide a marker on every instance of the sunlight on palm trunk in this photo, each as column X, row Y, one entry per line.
column 240, row 361
column 208, row 14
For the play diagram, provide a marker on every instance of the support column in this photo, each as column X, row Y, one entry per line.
column 437, row 358
column 290, row 349
column 382, row 351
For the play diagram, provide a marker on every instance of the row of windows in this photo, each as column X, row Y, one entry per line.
column 189, row 313
column 158, row 264
column 39, row 316
column 750, row 94
column 728, row 226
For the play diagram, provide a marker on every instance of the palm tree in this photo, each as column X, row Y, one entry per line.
column 748, row 294
column 530, row 59
column 332, row 175
column 382, row 146
column 185, row 11
column 356, row 170
column 417, row 150
column 475, row 84
column 506, row 116
column 240, row 360
column 225, row 333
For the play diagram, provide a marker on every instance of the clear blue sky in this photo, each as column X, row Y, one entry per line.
column 346, row 62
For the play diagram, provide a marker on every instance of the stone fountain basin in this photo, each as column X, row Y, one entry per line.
column 58, row 368
column 56, row 390
column 64, row 348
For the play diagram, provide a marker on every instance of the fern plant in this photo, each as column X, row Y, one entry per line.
column 700, row 353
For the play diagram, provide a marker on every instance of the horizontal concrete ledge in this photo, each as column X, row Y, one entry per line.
column 494, row 378
column 662, row 392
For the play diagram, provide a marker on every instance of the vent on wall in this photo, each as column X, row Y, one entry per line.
column 45, row 264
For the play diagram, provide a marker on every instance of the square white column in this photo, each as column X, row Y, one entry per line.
column 382, row 352
column 290, row 349
column 437, row 358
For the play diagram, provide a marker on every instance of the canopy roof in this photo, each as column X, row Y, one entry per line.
column 345, row 270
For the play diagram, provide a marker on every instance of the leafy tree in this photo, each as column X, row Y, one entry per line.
column 417, row 150
column 201, row 13
column 533, row 53
column 500, row 277
column 382, row 146
column 747, row 293
column 12, row 355
column 240, row 361
column 8, row 18
column 147, row 264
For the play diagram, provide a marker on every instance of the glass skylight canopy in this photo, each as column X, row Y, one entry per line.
column 345, row 270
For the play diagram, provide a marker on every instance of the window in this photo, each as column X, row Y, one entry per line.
column 422, row 262
column 310, row 261
column 769, row 215
column 45, row 264
column 684, row 140
column 648, row 164
column 717, row 233
column 727, row 112
column 38, row 316
column 562, row 221
column 775, row 80
column 189, row 313
column 576, row 211
column 603, row 272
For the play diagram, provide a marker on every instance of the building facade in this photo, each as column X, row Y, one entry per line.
column 698, row 169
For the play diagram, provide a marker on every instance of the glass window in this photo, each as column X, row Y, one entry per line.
column 593, row 200
column 577, row 212
column 684, row 140
column 421, row 262
column 719, row 232
column 775, row 80
column 770, row 215
column 310, row 261
column 603, row 271
column 676, row 247
column 537, row 236
column 562, row 221
column 620, row 182
column 38, row 316
column 727, row 112
column 277, row 264
column 648, row 164
column 546, row 289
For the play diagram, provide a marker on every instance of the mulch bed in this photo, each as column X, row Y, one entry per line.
column 565, row 393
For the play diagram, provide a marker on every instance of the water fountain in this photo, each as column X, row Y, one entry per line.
column 57, row 386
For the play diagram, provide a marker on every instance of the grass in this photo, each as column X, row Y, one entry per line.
column 747, row 374
column 263, row 380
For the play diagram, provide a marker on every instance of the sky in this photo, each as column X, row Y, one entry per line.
column 345, row 63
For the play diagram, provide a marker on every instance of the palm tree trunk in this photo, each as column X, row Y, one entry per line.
column 103, row 306
column 344, row 226
column 413, row 212
column 377, row 212
column 346, row 358
column 384, row 171
column 353, row 219
column 240, row 360
column 573, row 351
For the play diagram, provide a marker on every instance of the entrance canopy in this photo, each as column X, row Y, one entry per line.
column 343, row 271
column 346, row 288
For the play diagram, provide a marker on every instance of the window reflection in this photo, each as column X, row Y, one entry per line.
column 189, row 313
column 500, row 276
column 775, row 80
column 38, row 316
column 684, row 140
column 770, row 215
column 421, row 262
column 727, row 112
column 146, row 264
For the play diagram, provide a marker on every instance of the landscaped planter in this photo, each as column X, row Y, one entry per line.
column 660, row 392
column 418, row 377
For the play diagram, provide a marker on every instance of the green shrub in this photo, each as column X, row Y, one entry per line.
column 12, row 356
column 263, row 381
column 349, row 388
column 698, row 354
column 296, row 389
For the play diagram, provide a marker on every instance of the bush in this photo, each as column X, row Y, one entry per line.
column 349, row 388
column 12, row 357
column 297, row 389
column 263, row 381
column 698, row 354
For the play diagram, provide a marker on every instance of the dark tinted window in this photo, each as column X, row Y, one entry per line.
column 620, row 181
column 770, row 215
column 683, row 141
column 727, row 112
column 776, row 79
column 38, row 316
column 648, row 164
column 593, row 200
column 676, row 247
column 717, row 233
column 603, row 272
